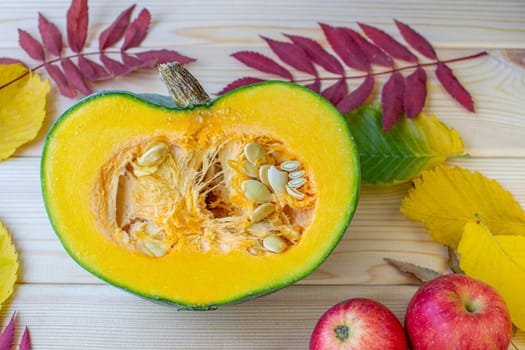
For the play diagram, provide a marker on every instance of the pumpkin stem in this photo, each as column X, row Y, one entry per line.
column 184, row 88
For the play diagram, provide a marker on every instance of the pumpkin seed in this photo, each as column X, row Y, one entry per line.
column 290, row 165
column 140, row 171
column 254, row 152
column 294, row 193
column 156, row 248
column 154, row 155
column 262, row 211
column 295, row 174
column 250, row 169
column 296, row 183
column 274, row 243
column 151, row 228
column 263, row 174
column 277, row 179
column 290, row 233
column 256, row 191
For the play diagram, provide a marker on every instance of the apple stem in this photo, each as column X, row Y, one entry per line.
column 342, row 332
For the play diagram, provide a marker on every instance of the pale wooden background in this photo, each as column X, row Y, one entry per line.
column 67, row 308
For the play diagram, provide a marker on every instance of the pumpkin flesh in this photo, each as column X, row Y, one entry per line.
column 84, row 153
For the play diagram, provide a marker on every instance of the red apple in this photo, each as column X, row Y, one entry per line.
column 358, row 324
column 457, row 312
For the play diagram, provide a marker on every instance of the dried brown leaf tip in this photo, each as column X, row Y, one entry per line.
column 363, row 56
column 76, row 73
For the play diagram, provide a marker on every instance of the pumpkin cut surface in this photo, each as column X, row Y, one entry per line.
column 203, row 206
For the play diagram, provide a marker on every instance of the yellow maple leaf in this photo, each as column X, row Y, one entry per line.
column 22, row 107
column 8, row 264
column 444, row 199
column 499, row 261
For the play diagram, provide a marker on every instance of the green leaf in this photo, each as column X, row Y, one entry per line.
column 407, row 149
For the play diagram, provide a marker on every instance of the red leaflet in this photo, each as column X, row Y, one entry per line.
column 315, row 86
column 451, row 84
column 345, row 47
column 33, row 47
column 375, row 54
column 392, row 99
column 51, row 35
column 8, row 334
column 60, row 79
column 336, row 92
column 318, row 54
column 132, row 62
column 387, row 43
column 91, row 70
column 153, row 57
column 75, row 76
column 262, row 63
column 137, row 30
column 7, row 60
column 113, row 66
column 77, row 24
column 415, row 92
column 25, row 343
column 357, row 97
column 238, row 83
column 416, row 40
column 115, row 31
column 292, row 55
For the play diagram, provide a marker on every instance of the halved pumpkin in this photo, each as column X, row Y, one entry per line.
column 206, row 205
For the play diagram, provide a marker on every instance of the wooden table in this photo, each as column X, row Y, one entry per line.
column 67, row 308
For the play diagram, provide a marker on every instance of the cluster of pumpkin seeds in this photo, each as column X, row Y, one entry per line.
column 267, row 183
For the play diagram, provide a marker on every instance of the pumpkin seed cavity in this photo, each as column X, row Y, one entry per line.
column 247, row 194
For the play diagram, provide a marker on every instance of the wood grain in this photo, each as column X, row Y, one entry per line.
column 68, row 308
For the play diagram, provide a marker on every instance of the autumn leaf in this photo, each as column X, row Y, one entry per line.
column 8, row 264
column 22, row 107
column 445, row 199
column 480, row 252
column 410, row 147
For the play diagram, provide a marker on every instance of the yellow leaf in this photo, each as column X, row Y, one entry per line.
column 22, row 107
column 8, row 264
column 499, row 261
column 445, row 199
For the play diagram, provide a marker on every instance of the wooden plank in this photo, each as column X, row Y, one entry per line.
column 465, row 24
column 102, row 317
column 377, row 231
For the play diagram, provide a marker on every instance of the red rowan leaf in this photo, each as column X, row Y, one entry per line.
column 393, row 47
column 77, row 24
column 315, row 86
column 375, row 54
column 392, row 99
column 336, row 92
column 25, row 343
column 358, row 96
column 8, row 334
column 137, row 30
column 345, row 47
column 292, row 54
column 51, row 35
column 75, row 77
column 151, row 58
column 262, row 63
column 451, row 84
column 60, row 79
column 111, row 35
column 113, row 66
column 416, row 40
column 132, row 61
column 31, row 46
column 415, row 92
column 238, row 83
column 318, row 54
column 92, row 70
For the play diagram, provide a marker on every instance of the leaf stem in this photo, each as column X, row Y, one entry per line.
column 361, row 76
column 54, row 61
